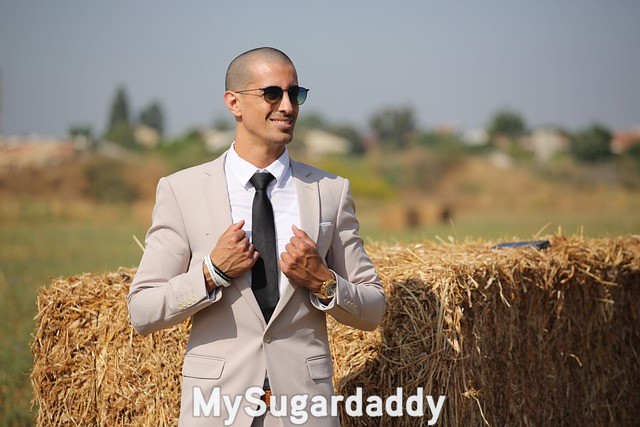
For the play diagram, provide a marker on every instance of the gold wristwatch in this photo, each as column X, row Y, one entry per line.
column 327, row 289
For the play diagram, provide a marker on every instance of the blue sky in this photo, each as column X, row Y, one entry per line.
column 557, row 62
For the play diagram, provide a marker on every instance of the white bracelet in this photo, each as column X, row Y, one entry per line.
column 218, row 280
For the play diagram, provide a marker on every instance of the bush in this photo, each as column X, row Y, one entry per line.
column 107, row 182
column 592, row 144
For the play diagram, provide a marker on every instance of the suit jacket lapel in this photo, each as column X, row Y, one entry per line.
column 308, row 199
column 217, row 196
column 309, row 208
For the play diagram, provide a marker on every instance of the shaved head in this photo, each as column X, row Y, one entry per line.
column 240, row 73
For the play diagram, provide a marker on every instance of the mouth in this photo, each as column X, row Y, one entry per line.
column 283, row 123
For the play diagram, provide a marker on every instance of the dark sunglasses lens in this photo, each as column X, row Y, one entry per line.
column 298, row 95
column 272, row 94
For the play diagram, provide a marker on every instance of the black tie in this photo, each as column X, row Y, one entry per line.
column 264, row 274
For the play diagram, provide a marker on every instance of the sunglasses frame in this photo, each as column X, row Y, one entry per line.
column 293, row 99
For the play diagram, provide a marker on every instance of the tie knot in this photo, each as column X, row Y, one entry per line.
column 261, row 180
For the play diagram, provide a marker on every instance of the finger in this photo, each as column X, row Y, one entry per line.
column 289, row 248
column 240, row 236
column 250, row 250
column 284, row 267
column 285, row 259
column 242, row 245
column 302, row 245
column 298, row 232
column 304, row 237
column 246, row 244
column 237, row 226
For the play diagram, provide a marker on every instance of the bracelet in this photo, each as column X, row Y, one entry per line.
column 219, row 279
column 220, row 272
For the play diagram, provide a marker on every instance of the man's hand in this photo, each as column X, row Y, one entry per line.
column 301, row 262
column 234, row 254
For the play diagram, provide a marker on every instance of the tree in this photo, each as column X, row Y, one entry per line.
column 153, row 117
column 592, row 144
column 351, row 134
column 119, row 113
column 119, row 127
column 312, row 120
column 634, row 152
column 394, row 127
column 507, row 123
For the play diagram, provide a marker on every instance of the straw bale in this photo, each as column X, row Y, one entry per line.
column 415, row 214
column 92, row 368
column 510, row 337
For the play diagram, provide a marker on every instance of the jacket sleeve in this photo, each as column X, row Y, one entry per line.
column 359, row 301
column 165, row 290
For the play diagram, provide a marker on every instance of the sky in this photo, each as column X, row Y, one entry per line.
column 567, row 63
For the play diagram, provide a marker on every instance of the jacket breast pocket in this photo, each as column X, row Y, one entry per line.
column 204, row 367
column 320, row 367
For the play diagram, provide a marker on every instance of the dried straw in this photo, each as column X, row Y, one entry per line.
column 510, row 337
column 92, row 368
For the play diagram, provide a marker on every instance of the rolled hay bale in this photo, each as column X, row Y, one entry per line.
column 510, row 337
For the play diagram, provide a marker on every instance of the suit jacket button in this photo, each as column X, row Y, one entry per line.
column 267, row 338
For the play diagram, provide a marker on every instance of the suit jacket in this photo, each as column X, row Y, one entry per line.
column 230, row 346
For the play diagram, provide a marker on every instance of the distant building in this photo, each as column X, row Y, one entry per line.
column 624, row 140
column 545, row 143
column 217, row 140
column 318, row 143
column 34, row 151
column 146, row 136
column 313, row 141
column 475, row 137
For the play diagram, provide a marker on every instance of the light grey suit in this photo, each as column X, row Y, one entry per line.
column 230, row 345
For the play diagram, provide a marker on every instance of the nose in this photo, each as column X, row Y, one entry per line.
column 285, row 105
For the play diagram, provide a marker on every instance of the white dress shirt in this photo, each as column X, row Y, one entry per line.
column 281, row 192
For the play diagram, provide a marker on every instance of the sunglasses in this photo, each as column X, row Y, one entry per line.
column 274, row 94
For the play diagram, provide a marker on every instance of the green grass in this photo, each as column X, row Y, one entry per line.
column 507, row 227
column 30, row 256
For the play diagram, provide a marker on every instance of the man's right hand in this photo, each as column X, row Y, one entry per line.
column 234, row 254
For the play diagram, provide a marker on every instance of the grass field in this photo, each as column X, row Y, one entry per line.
column 30, row 255
column 45, row 246
column 471, row 227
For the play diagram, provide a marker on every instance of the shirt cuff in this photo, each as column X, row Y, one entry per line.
column 214, row 293
column 319, row 304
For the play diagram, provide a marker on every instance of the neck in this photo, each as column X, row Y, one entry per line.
column 259, row 155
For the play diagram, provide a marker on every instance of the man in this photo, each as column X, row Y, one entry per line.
column 258, row 319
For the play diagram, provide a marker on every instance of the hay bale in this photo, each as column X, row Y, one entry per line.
column 92, row 368
column 511, row 337
column 412, row 215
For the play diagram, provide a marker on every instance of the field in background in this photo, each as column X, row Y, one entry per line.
column 61, row 229
column 30, row 255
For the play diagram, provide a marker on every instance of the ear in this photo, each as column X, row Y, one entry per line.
column 232, row 102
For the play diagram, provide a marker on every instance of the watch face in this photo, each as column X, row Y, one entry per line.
column 331, row 290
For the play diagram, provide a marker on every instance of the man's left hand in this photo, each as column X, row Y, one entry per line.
column 301, row 262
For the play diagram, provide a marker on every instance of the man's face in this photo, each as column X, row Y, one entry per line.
column 264, row 123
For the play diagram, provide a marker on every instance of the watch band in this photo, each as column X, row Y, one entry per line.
column 327, row 289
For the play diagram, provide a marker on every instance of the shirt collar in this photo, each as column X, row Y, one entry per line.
column 243, row 170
